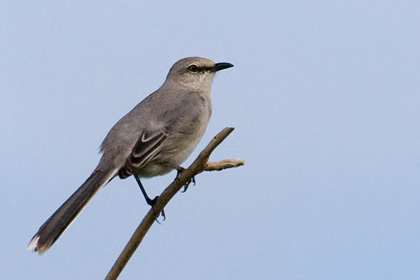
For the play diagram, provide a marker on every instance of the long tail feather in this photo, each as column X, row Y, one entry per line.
column 52, row 229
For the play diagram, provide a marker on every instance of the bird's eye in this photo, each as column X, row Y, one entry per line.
column 193, row 68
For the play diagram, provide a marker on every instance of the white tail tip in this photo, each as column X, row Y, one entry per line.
column 33, row 244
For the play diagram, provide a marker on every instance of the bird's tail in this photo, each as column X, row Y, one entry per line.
column 51, row 230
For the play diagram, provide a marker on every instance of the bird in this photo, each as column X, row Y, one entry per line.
column 154, row 138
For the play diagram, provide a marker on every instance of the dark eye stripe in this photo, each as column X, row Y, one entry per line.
column 194, row 68
column 207, row 68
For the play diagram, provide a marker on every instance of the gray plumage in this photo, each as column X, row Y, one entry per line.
column 154, row 138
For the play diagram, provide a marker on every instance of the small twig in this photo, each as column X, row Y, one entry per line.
column 198, row 166
column 223, row 164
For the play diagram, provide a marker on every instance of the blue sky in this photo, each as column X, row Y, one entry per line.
column 325, row 100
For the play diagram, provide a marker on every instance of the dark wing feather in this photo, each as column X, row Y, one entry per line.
column 144, row 150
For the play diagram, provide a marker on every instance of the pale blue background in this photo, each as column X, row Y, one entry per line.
column 325, row 98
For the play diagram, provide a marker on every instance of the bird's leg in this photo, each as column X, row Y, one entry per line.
column 179, row 170
column 149, row 201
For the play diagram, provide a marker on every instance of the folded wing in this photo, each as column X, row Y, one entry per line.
column 143, row 152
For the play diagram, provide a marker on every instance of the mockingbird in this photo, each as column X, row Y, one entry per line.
column 152, row 139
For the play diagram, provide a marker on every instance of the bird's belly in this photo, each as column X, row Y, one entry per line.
column 165, row 164
column 174, row 152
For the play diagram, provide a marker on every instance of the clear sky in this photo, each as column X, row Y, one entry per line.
column 325, row 99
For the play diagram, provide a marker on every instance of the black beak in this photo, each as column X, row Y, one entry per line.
column 221, row 65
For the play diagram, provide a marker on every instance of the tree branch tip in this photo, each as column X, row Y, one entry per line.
column 223, row 164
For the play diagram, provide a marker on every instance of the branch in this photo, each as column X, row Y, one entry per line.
column 223, row 164
column 199, row 165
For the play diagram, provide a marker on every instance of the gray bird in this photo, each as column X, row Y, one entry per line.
column 153, row 139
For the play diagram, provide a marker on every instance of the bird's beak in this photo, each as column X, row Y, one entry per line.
column 221, row 65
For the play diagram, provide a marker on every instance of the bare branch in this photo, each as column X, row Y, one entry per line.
column 223, row 164
column 199, row 165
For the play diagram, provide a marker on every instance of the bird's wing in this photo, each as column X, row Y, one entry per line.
column 143, row 151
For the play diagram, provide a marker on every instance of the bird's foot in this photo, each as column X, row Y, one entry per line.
column 179, row 170
column 152, row 203
column 188, row 184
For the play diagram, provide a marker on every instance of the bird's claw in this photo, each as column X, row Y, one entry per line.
column 163, row 215
column 188, row 184
column 152, row 203
column 179, row 170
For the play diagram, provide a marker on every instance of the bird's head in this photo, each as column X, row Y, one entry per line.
column 195, row 72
